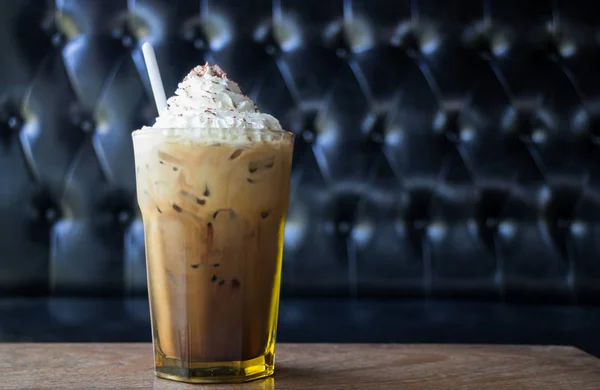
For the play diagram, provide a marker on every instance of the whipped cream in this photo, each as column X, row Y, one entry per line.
column 206, row 98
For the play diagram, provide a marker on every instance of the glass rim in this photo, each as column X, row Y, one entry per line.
column 246, row 130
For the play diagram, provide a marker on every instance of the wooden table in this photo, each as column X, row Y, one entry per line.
column 313, row 366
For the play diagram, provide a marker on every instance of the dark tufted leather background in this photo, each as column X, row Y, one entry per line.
column 444, row 149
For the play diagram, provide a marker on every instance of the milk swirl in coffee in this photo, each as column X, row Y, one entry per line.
column 213, row 178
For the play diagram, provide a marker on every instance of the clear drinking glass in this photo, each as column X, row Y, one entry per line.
column 214, row 203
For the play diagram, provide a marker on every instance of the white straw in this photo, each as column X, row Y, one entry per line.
column 154, row 73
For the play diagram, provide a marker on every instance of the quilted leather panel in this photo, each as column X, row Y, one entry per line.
column 443, row 149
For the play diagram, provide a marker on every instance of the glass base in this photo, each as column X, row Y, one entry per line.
column 215, row 372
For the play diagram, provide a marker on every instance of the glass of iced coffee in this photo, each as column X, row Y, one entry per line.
column 213, row 177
